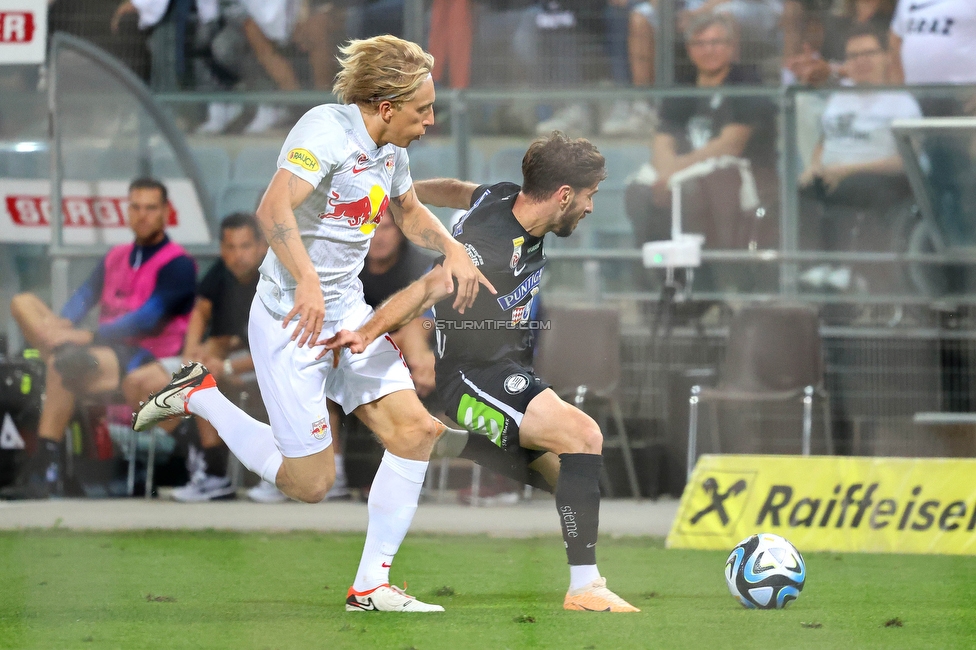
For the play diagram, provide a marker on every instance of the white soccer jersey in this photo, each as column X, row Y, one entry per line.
column 938, row 40
column 354, row 180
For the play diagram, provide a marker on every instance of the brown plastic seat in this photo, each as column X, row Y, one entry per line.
column 580, row 356
column 774, row 354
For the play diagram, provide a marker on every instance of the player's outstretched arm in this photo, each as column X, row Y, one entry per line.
column 398, row 310
column 422, row 228
column 445, row 192
column 277, row 219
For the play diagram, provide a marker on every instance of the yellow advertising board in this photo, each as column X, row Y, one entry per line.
column 830, row 503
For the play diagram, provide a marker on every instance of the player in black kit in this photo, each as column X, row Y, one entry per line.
column 484, row 365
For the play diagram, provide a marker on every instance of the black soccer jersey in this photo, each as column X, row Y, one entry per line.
column 496, row 326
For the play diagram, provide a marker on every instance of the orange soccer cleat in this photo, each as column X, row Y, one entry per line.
column 595, row 597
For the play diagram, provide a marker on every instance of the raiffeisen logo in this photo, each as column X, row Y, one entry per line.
column 830, row 503
column 859, row 506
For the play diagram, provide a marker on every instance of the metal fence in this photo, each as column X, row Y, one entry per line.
column 510, row 42
column 892, row 348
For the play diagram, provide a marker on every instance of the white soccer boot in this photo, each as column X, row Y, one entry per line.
column 171, row 400
column 386, row 598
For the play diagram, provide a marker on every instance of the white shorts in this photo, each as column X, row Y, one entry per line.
column 294, row 385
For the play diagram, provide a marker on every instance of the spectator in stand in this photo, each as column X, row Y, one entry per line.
column 558, row 31
column 271, row 27
column 856, row 173
column 630, row 46
column 217, row 337
column 392, row 263
column 168, row 24
column 934, row 42
column 145, row 295
column 821, row 56
column 696, row 129
column 450, row 41
column 368, row 18
column 221, row 62
column 756, row 21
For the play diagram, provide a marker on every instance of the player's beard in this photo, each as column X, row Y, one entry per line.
column 568, row 222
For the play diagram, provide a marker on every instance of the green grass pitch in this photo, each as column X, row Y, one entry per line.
column 227, row 590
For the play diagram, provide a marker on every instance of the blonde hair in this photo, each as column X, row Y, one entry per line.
column 382, row 68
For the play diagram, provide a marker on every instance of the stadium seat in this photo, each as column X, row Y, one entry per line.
column 24, row 164
column 622, row 162
column 239, row 197
column 773, row 354
column 433, row 161
column 609, row 213
column 590, row 374
column 214, row 164
column 256, row 164
column 505, row 165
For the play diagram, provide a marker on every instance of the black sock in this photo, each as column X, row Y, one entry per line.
column 49, row 459
column 216, row 460
column 578, row 503
column 513, row 465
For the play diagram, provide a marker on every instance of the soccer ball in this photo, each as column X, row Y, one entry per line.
column 765, row 571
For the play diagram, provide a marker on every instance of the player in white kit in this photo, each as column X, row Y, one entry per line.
column 339, row 169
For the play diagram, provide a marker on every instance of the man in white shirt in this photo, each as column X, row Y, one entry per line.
column 340, row 168
column 856, row 174
column 934, row 41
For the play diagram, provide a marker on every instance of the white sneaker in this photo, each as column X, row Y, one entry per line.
column 204, row 487
column 171, row 400
column 839, row 278
column 267, row 117
column 386, row 598
column 219, row 117
column 816, row 276
column 629, row 118
column 265, row 492
column 572, row 120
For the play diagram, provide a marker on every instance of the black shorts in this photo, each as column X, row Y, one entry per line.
column 130, row 357
column 490, row 399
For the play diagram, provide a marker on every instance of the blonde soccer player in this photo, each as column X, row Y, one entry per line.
column 339, row 169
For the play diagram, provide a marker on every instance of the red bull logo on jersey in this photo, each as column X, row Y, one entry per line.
column 364, row 214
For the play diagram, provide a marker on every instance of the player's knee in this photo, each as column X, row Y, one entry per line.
column 418, row 438
column 588, row 437
column 314, row 489
column 19, row 306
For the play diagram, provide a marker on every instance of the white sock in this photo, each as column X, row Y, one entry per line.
column 340, row 469
column 392, row 503
column 251, row 441
column 582, row 575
